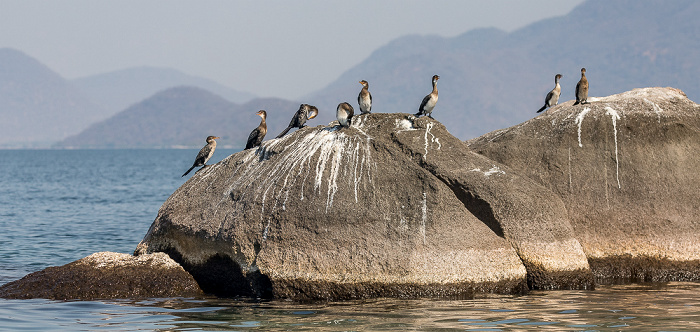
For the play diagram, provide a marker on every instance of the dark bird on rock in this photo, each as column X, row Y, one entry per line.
column 305, row 112
column 428, row 103
column 204, row 154
column 582, row 89
column 344, row 114
column 256, row 136
column 365, row 98
column 553, row 96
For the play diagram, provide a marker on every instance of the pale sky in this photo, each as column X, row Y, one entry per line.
column 280, row 48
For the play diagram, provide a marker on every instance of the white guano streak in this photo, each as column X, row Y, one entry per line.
column 433, row 139
column 493, row 170
column 256, row 176
column 615, row 116
column 657, row 109
column 579, row 120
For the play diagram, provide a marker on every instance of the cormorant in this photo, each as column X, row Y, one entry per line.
column 553, row 96
column 428, row 103
column 256, row 136
column 365, row 98
column 582, row 89
column 204, row 154
column 305, row 112
column 344, row 114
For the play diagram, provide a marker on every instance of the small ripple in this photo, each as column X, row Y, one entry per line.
column 539, row 323
column 572, row 311
column 303, row 312
column 512, row 321
column 502, row 310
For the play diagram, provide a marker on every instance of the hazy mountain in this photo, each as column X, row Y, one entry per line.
column 38, row 106
column 183, row 117
column 490, row 79
column 117, row 90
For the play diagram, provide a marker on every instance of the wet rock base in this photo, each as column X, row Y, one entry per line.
column 220, row 276
column 631, row 269
column 304, row 290
column 540, row 279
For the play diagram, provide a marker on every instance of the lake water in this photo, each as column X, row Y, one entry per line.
column 59, row 206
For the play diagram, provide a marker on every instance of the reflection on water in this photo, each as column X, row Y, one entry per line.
column 648, row 307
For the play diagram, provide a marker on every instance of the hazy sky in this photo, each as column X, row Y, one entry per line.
column 281, row 48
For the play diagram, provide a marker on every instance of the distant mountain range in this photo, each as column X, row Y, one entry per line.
column 38, row 106
column 489, row 79
column 120, row 89
column 183, row 117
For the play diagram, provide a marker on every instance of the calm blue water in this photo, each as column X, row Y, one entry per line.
column 60, row 206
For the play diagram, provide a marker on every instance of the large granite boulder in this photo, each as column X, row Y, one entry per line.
column 626, row 167
column 392, row 206
column 106, row 275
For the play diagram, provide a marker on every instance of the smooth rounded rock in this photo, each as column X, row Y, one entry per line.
column 626, row 167
column 106, row 275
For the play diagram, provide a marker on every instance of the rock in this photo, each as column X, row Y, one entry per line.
column 626, row 167
column 106, row 275
column 392, row 206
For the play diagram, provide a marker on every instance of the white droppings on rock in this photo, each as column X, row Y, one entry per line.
column 433, row 139
column 404, row 125
column 322, row 157
column 493, row 170
column 579, row 120
column 615, row 116
column 266, row 230
column 656, row 108
column 665, row 94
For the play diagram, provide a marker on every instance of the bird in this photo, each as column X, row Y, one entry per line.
column 204, row 154
column 256, row 136
column 428, row 103
column 344, row 114
column 304, row 113
column 365, row 98
column 553, row 96
column 582, row 89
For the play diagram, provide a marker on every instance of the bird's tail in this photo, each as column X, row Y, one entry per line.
column 188, row 171
column 284, row 132
column 542, row 109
